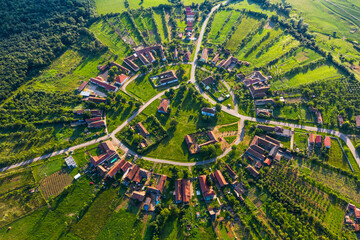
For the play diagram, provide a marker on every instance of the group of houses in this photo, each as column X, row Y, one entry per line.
column 227, row 64
column 209, row 83
column 164, row 78
column 317, row 141
column 190, row 18
column 352, row 212
column 182, row 191
column 263, row 151
column 146, row 56
column 192, row 144
column 95, row 121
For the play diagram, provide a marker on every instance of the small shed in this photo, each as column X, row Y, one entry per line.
column 77, row 176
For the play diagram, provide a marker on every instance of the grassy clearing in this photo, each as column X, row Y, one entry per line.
column 130, row 28
column 300, row 141
column 161, row 27
column 108, row 36
column 230, row 139
column 247, row 25
column 114, row 6
column 324, row 72
column 48, row 168
column 233, row 127
column 248, row 5
column 15, row 180
column 150, row 25
column 217, row 25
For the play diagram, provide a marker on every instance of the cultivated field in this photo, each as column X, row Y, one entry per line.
column 55, row 183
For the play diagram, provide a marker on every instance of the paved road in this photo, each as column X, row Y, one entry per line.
column 233, row 112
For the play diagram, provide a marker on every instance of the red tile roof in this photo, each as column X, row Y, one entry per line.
column 97, row 124
column 318, row 139
column 95, row 119
column 186, row 190
column 220, row 178
column 204, row 187
column 121, row 78
column 130, row 176
column 82, row 86
column 312, row 138
column 163, row 106
column 103, row 84
column 230, row 171
column 96, row 99
column 138, row 195
column 267, row 161
column 125, row 166
column 327, row 141
column 161, row 184
column 357, row 119
column 116, row 167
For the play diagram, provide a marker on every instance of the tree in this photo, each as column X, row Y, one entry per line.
column 173, row 123
column 137, row 140
column 218, row 107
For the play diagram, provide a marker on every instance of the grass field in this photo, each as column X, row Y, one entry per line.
column 142, row 88
column 15, row 180
column 126, row 22
column 161, row 27
column 150, row 25
column 324, row 17
column 301, row 141
column 247, row 25
column 113, row 6
column 229, row 128
column 248, row 5
column 324, row 72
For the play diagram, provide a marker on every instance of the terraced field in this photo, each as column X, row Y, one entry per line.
column 150, row 25
column 247, row 25
column 220, row 29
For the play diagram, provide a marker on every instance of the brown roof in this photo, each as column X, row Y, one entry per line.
column 252, row 171
column 188, row 140
column 357, row 213
column 116, row 167
column 82, row 86
column 220, row 178
column 131, row 64
column 103, row 84
column 256, row 154
column 95, row 119
column 230, row 171
column 132, row 172
column 139, row 195
column 266, row 127
column 178, row 193
column 208, row 80
column 124, row 69
column 267, row 161
column 186, row 190
column 142, row 129
column 96, row 99
column 125, row 166
column 215, row 59
column 318, row 139
column 208, row 110
column 161, row 184
column 106, row 146
column 204, row 54
column 163, row 106
column 341, row 120
column 204, row 187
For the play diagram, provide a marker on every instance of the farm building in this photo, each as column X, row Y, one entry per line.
column 163, row 106
column 208, row 111
column 208, row 194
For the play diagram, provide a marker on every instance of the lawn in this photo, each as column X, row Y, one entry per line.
column 248, row 5
column 229, row 140
column 229, row 128
column 300, row 141
column 324, row 72
column 15, row 180
column 336, row 156
column 113, row 6
column 47, row 168
column 142, row 87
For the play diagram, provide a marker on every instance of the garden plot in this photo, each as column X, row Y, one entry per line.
column 150, row 25
column 130, row 28
column 141, row 25
column 161, row 27
column 55, row 183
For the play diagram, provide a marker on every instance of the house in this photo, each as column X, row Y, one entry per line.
column 215, row 59
column 207, row 81
column 143, row 132
column 312, row 139
column 262, row 102
column 357, row 214
column 267, row 161
column 205, row 189
column 101, row 83
column 231, row 172
column 131, row 64
column 95, row 119
column 327, row 142
column 97, row 160
column 138, row 195
column 204, row 55
column 240, row 76
column 115, row 168
column 96, row 99
column 229, row 63
column 357, row 120
column 97, row 124
column 252, row 171
column 341, row 120
column 319, row 118
column 186, row 56
column 163, row 106
column 101, row 170
column 106, row 146
column 208, row 111
column 193, row 147
column 318, row 141
column 166, row 78
column 280, row 131
column 258, row 91
column 121, row 79
column 82, row 86
column 132, row 173
column 220, row 178
column 142, row 173
column 250, row 151
column 147, row 203
column 185, row 185
column 178, row 192
column 103, row 68
column 143, row 59
column 126, row 166
column 263, row 113
column 161, row 184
